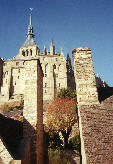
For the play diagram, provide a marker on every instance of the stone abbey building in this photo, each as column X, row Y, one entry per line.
column 36, row 77
column 56, row 69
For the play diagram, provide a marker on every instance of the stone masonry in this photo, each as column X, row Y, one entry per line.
column 33, row 108
column 84, row 76
column 95, row 119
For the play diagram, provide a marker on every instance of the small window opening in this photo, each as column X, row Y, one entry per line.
column 45, row 84
column 31, row 52
column 17, row 63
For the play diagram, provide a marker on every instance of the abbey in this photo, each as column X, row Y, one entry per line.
column 57, row 71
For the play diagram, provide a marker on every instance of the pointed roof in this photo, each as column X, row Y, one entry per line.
column 30, row 35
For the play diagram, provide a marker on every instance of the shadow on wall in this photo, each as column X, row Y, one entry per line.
column 11, row 133
column 104, row 93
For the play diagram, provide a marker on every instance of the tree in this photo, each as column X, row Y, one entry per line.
column 66, row 92
column 61, row 116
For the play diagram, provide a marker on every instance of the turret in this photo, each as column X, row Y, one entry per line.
column 45, row 51
column 52, row 48
column 62, row 52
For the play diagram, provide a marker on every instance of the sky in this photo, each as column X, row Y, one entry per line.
column 70, row 23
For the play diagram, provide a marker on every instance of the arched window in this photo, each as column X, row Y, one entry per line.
column 30, row 52
column 26, row 52
column 54, row 66
column 23, row 53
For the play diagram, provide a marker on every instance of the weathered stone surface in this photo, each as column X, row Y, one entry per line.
column 96, row 127
column 84, row 76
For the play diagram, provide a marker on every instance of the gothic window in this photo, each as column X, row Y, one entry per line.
column 54, row 66
column 17, row 63
column 27, row 52
column 30, row 52
column 23, row 53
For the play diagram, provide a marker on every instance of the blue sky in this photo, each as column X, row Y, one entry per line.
column 70, row 23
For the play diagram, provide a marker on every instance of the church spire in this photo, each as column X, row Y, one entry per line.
column 30, row 33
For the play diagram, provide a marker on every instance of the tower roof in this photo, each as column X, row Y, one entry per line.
column 30, row 35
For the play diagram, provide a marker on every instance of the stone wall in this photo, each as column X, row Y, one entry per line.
column 84, row 76
column 33, row 110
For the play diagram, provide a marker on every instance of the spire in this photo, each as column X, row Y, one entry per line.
column 52, row 48
column 30, row 35
column 30, row 27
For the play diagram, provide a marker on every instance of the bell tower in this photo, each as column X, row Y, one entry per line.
column 29, row 49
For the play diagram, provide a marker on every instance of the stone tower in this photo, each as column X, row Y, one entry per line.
column 84, row 76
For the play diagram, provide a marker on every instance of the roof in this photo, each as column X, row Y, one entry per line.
column 29, row 42
column 97, row 131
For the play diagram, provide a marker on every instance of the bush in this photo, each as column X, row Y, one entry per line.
column 54, row 140
column 58, row 157
column 74, row 142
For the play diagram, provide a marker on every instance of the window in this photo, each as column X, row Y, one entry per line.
column 45, row 84
column 23, row 53
column 30, row 52
column 15, row 82
column 18, row 70
column 27, row 52
column 45, row 91
column 54, row 66
column 17, row 63
column 59, row 84
column 56, row 59
column 5, row 64
column 18, row 77
column 45, row 75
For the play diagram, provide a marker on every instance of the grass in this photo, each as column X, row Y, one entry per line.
column 58, row 157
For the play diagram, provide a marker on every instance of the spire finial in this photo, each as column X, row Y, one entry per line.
column 31, row 9
column 30, row 27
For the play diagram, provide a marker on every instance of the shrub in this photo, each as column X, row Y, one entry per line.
column 58, row 157
column 53, row 140
column 74, row 142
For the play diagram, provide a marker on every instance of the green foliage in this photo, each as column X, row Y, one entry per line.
column 74, row 142
column 53, row 140
column 67, row 93
column 58, row 157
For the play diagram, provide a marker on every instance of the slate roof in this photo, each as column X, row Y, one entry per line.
column 29, row 42
column 97, row 131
